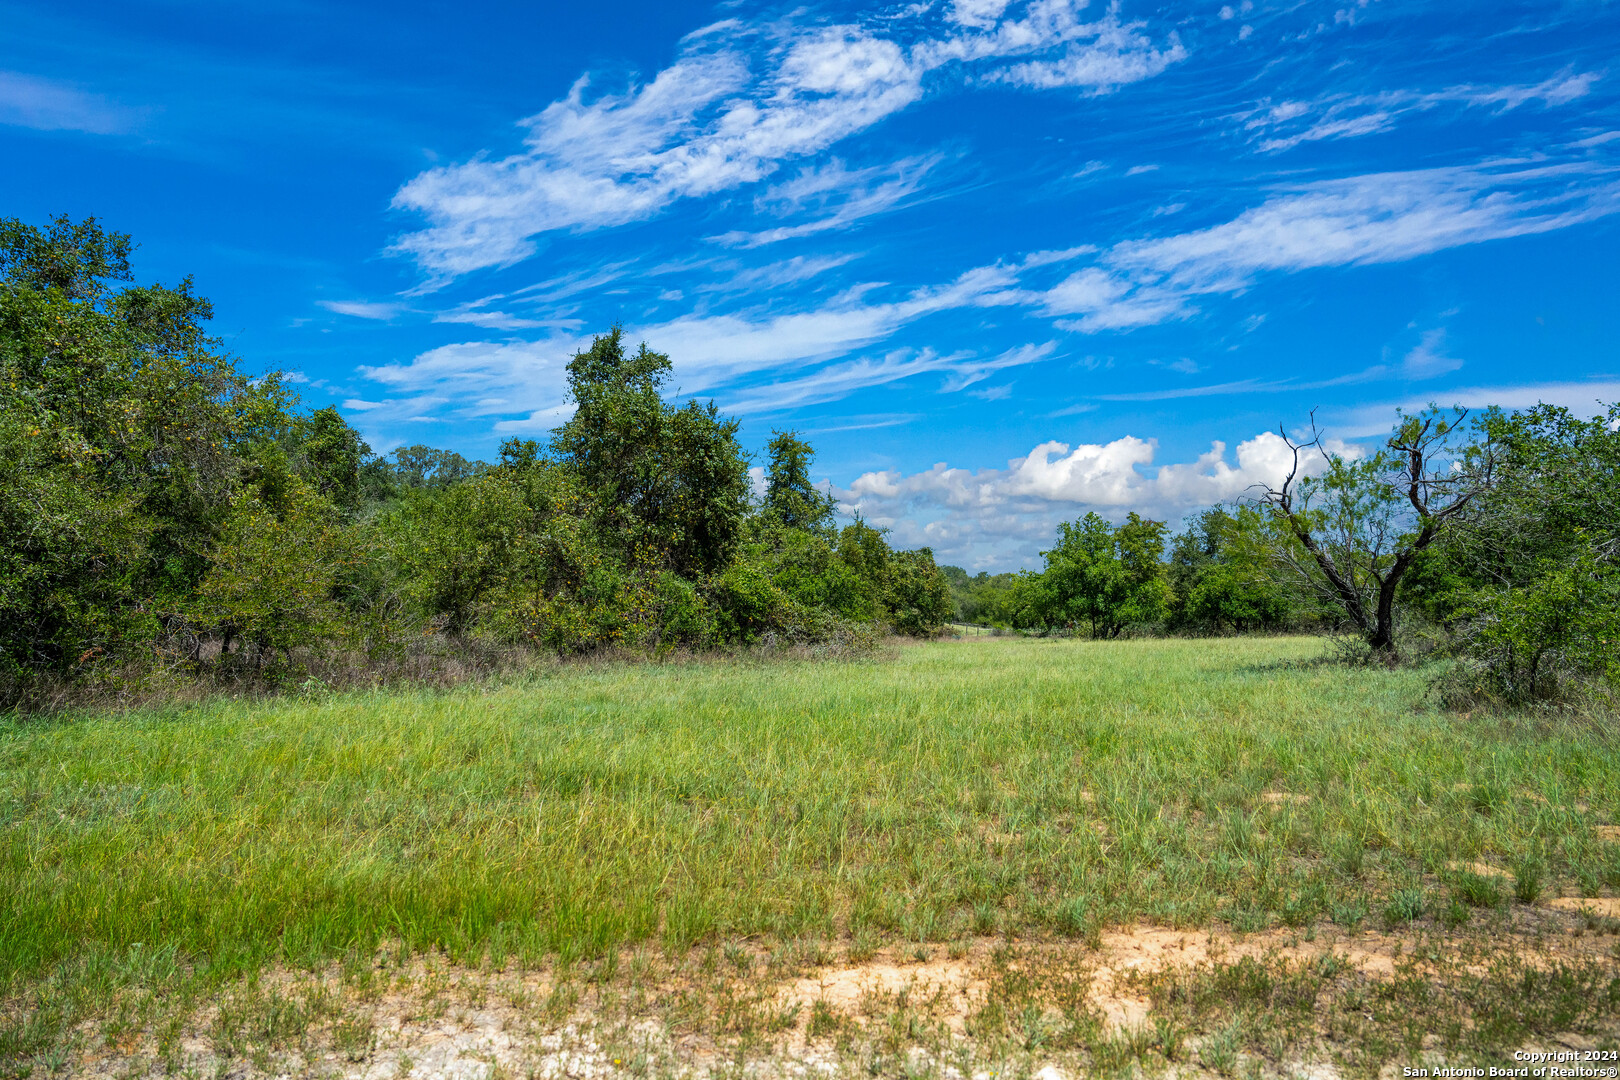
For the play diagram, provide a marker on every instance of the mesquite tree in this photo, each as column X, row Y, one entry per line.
column 1353, row 530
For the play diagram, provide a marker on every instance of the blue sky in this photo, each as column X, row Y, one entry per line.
column 1003, row 262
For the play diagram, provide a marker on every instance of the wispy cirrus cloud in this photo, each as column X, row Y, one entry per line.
column 31, row 101
column 809, row 356
column 736, row 105
column 1286, row 124
column 833, row 197
column 723, row 355
column 364, row 309
column 1362, row 220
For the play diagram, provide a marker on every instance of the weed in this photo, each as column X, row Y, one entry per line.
column 1220, row 1050
column 1304, row 905
column 355, row 1036
column 1529, row 878
column 1405, row 905
column 1168, row 1038
column 739, row 957
column 1350, row 912
column 863, row 946
column 1454, row 913
column 824, row 1020
column 1349, row 855
column 1074, row 917
column 1476, row 890
column 1488, row 796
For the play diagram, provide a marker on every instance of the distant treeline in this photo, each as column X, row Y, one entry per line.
column 161, row 509
column 1106, row 580
column 1493, row 540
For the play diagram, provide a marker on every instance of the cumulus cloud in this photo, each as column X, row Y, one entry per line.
column 999, row 514
column 734, row 107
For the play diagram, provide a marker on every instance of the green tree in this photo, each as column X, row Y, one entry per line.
column 1104, row 577
column 332, row 453
column 919, row 597
column 1219, row 575
column 672, row 483
column 1528, row 581
column 272, row 575
column 126, row 435
column 789, row 494
column 1351, row 533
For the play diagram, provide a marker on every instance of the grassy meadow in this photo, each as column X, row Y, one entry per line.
column 951, row 792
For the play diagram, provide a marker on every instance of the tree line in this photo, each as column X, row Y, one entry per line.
column 162, row 510
column 1490, row 539
column 159, row 508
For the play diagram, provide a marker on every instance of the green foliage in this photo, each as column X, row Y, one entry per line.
column 126, row 435
column 671, row 481
column 152, row 492
column 919, row 599
column 790, row 497
column 982, row 598
column 1220, row 576
column 1102, row 577
column 454, row 546
column 1529, row 585
column 272, row 576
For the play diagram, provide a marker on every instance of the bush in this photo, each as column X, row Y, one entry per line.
column 272, row 576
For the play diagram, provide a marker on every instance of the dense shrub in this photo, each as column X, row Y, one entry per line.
column 157, row 501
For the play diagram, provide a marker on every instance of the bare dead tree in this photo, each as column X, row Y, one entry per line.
column 1361, row 524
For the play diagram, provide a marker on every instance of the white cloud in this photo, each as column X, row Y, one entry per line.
column 840, row 196
column 1361, row 220
column 1287, row 124
column 489, row 320
column 959, row 371
column 979, row 14
column 362, row 309
column 1004, row 515
column 1000, row 516
column 1119, row 55
column 786, row 271
column 47, row 105
column 731, row 110
column 1584, row 398
column 1428, row 357
column 483, row 379
column 717, row 351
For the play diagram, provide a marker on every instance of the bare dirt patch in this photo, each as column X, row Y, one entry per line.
column 1279, row 1003
column 1483, row 869
column 1606, row 906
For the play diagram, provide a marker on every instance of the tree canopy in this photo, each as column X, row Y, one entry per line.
column 160, row 506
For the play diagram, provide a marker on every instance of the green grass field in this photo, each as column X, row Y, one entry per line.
column 946, row 792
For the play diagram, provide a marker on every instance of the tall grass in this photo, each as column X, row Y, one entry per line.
column 958, row 787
